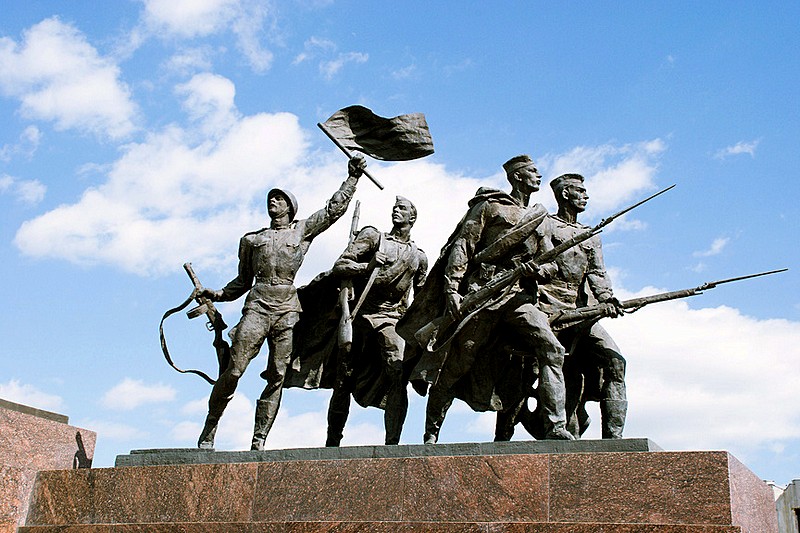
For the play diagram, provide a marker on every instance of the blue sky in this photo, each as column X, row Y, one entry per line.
column 142, row 136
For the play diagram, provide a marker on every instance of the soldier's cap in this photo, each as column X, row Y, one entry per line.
column 403, row 200
column 563, row 180
column 517, row 162
column 289, row 196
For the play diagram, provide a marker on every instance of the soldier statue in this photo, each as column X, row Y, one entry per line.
column 268, row 262
column 473, row 364
column 384, row 268
column 594, row 369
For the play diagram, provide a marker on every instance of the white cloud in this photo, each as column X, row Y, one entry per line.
column 22, row 393
column 709, row 378
column 616, row 175
column 29, row 192
column 178, row 196
column 291, row 429
column 199, row 18
column 742, row 147
column 28, row 143
column 404, row 73
column 58, row 76
column 209, row 101
column 716, row 248
column 190, row 60
column 132, row 393
column 115, row 431
column 331, row 61
column 330, row 68
column 171, row 199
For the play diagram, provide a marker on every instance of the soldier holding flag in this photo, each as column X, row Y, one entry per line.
column 270, row 257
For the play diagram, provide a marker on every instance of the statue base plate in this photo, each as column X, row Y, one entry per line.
column 487, row 487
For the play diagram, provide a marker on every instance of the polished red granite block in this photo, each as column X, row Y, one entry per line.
column 376, row 527
column 609, row 528
column 478, row 488
column 36, row 443
column 654, row 488
column 32, row 440
column 15, row 487
column 748, row 493
column 347, row 490
column 650, row 492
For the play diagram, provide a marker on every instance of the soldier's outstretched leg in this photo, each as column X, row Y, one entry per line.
column 280, row 352
column 247, row 338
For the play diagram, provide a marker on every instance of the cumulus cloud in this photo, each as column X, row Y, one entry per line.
column 172, row 198
column 188, row 19
column 709, row 378
column 58, row 76
column 115, row 431
column 29, row 192
column 742, row 147
column 616, row 175
column 716, row 248
column 185, row 195
column 132, row 393
column 292, row 428
column 25, row 394
column 26, row 146
column 209, row 101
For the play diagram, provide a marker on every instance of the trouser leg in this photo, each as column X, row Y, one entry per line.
column 280, row 352
column 505, row 422
column 338, row 410
column 392, row 346
column 458, row 363
column 247, row 339
column 613, row 395
column 614, row 406
column 439, row 401
column 532, row 324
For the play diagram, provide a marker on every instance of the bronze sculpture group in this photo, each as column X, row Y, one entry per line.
column 383, row 271
column 507, row 314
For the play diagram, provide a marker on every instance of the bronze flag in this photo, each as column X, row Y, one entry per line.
column 401, row 138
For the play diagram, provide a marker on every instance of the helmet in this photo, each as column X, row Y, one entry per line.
column 289, row 196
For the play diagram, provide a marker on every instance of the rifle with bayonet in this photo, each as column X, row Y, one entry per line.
column 573, row 317
column 345, row 330
column 215, row 323
column 495, row 288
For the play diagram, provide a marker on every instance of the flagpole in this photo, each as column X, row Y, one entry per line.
column 347, row 153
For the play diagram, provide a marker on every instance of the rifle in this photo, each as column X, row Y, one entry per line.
column 215, row 323
column 592, row 313
column 345, row 330
column 497, row 287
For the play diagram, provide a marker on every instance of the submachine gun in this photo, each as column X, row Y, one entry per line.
column 215, row 323
column 430, row 336
column 578, row 317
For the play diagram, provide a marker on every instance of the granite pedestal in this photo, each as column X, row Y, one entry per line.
column 557, row 487
column 32, row 440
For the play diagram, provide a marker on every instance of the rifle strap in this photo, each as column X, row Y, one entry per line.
column 164, row 341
